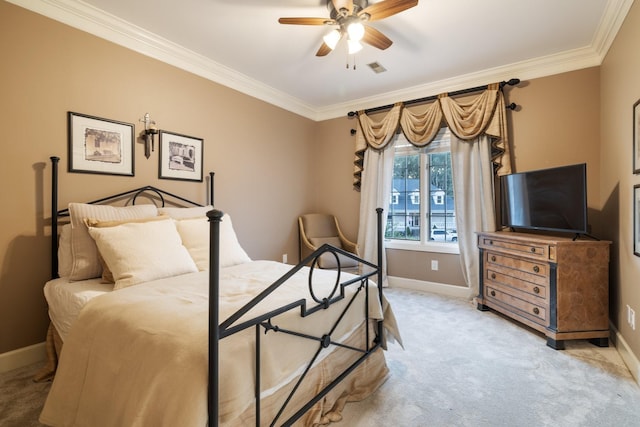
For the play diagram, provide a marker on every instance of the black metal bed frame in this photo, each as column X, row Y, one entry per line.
column 264, row 323
column 133, row 194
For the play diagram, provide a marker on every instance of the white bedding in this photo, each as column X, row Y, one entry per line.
column 66, row 298
column 137, row 356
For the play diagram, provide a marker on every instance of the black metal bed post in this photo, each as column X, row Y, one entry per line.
column 215, row 217
column 380, row 272
column 54, row 216
column 211, row 175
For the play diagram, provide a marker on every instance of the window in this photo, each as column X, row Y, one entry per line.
column 422, row 201
column 415, row 198
column 395, row 197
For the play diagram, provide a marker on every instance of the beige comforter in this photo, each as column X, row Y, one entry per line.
column 138, row 356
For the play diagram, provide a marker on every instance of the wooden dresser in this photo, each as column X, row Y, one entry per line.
column 555, row 285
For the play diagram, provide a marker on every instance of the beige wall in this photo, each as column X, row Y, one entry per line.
column 259, row 152
column 416, row 265
column 620, row 89
column 332, row 173
column 277, row 167
column 557, row 123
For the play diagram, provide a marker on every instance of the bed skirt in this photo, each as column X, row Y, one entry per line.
column 53, row 346
column 357, row 386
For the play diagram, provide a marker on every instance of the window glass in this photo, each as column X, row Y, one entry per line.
column 422, row 200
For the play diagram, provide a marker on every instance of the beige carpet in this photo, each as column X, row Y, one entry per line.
column 463, row 367
column 460, row 367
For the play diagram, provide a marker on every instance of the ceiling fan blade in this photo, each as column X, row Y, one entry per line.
column 346, row 4
column 375, row 38
column 324, row 50
column 306, row 21
column 387, row 8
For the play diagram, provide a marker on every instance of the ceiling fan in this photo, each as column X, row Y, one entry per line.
column 350, row 17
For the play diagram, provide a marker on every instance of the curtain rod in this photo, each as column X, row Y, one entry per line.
column 512, row 106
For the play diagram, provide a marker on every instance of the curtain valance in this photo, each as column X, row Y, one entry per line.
column 467, row 119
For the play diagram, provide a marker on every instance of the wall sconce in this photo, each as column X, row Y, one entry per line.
column 150, row 130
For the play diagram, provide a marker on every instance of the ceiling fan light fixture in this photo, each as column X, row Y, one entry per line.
column 354, row 46
column 355, row 31
column 332, row 39
column 352, row 17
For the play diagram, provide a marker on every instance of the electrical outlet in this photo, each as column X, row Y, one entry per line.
column 434, row 264
column 631, row 317
column 628, row 314
column 284, row 258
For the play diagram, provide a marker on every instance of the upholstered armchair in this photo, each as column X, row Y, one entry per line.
column 317, row 229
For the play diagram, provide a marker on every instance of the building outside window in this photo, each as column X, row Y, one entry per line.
column 422, row 200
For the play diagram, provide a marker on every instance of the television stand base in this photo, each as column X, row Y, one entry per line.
column 578, row 235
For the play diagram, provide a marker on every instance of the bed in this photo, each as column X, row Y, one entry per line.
column 160, row 318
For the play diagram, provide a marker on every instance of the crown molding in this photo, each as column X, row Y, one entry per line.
column 535, row 68
column 92, row 20
column 612, row 19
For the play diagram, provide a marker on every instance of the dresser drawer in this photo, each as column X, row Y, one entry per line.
column 539, row 269
column 535, row 286
column 535, row 312
column 530, row 249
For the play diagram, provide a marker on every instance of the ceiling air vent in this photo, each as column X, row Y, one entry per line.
column 377, row 68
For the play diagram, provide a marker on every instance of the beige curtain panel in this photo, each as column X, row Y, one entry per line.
column 467, row 118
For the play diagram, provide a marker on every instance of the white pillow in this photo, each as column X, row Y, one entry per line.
column 138, row 252
column 86, row 264
column 184, row 213
column 107, row 275
column 195, row 237
column 65, row 256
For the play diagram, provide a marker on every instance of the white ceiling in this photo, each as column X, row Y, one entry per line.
column 439, row 45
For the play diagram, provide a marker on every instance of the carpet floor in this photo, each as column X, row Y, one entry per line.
column 459, row 367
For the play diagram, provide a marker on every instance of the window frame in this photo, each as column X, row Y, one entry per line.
column 424, row 244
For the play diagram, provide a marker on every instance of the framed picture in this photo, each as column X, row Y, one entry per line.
column 636, row 137
column 636, row 220
column 100, row 145
column 180, row 157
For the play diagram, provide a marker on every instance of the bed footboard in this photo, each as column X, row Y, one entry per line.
column 263, row 323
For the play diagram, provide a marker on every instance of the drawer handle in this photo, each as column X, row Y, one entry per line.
column 493, row 258
column 493, row 275
column 533, row 250
column 491, row 242
column 535, row 310
column 536, row 269
column 493, row 293
column 536, row 290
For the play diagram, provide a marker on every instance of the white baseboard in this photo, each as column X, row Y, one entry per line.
column 24, row 356
column 626, row 354
column 436, row 288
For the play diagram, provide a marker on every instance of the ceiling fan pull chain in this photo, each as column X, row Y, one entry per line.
column 354, row 61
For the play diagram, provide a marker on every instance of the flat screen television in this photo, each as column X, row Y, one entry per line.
column 552, row 199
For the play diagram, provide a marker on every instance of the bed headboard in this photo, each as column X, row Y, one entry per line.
column 56, row 214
